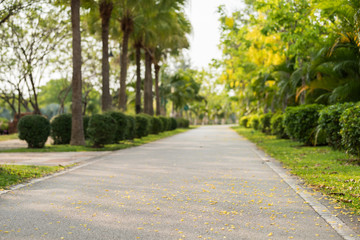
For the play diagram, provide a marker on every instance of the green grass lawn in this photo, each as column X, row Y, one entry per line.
column 333, row 172
column 14, row 174
column 8, row 137
column 109, row 147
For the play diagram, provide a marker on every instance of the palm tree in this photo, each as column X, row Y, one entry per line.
column 77, row 132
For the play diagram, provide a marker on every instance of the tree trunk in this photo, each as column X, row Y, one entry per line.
column 138, row 79
column 123, row 70
column 35, row 103
column 157, row 93
column 105, row 14
column 77, row 132
column 148, row 99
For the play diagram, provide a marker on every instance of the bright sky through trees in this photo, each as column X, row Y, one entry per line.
column 206, row 35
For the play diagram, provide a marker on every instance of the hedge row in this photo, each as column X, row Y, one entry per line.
column 337, row 125
column 100, row 129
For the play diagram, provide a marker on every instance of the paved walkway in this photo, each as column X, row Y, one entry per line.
column 207, row 183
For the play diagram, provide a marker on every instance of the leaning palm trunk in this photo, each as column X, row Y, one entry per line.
column 148, row 104
column 105, row 14
column 77, row 132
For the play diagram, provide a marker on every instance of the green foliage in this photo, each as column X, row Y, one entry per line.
column 61, row 129
column 182, row 123
column 143, row 125
column 244, row 121
column 131, row 129
column 350, row 130
column 265, row 124
column 157, row 125
column 102, row 129
column 34, row 129
column 165, row 123
column 173, row 125
column 121, row 124
column 329, row 122
column 254, row 122
column 300, row 123
column 86, row 120
column 4, row 124
column 277, row 126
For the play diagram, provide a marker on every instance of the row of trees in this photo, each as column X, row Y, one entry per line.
column 36, row 37
column 280, row 53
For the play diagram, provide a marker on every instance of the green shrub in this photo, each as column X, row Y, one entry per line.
column 86, row 120
column 244, row 121
column 168, row 124
column 61, row 129
column 300, row 124
column 4, row 124
column 277, row 126
column 142, row 124
column 101, row 129
column 254, row 122
column 186, row 123
column 131, row 129
column 173, row 125
column 121, row 125
column 265, row 124
column 329, row 122
column 150, row 120
column 350, row 130
column 165, row 123
column 157, row 125
column 34, row 129
column 182, row 123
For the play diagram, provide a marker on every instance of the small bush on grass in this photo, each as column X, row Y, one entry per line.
column 265, row 124
column 329, row 122
column 142, row 125
column 277, row 126
column 101, row 130
column 254, row 122
column 121, row 125
column 244, row 121
column 157, row 125
column 131, row 129
column 61, row 129
column 173, row 123
column 350, row 130
column 300, row 124
column 34, row 129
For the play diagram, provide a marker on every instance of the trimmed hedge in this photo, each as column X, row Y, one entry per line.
column 102, row 129
column 34, row 129
column 157, row 125
column 121, row 125
column 265, row 122
column 277, row 126
column 131, row 129
column 182, row 123
column 142, row 124
column 244, row 121
column 254, row 122
column 61, row 128
column 173, row 125
column 350, row 130
column 329, row 122
column 300, row 124
column 165, row 123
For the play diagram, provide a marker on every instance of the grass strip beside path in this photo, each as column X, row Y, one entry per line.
column 15, row 174
column 333, row 172
column 8, row 137
column 109, row 147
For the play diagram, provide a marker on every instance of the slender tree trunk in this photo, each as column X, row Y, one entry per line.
column 138, row 79
column 35, row 104
column 106, row 7
column 148, row 99
column 157, row 93
column 123, row 70
column 77, row 132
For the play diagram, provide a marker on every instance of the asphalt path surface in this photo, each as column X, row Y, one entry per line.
column 207, row 183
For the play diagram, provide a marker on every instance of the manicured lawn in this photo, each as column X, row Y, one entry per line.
column 333, row 172
column 8, row 137
column 14, row 174
column 109, row 147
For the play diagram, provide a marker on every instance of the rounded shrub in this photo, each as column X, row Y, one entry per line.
column 121, row 125
column 101, row 129
column 61, row 129
column 350, row 130
column 34, row 129
column 86, row 120
column 173, row 125
column 244, row 121
column 182, row 123
column 157, row 125
column 329, row 122
column 165, row 123
column 131, row 128
column 186, row 123
column 254, row 122
column 300, row 124
column 265, row 125
column 142, row 124
column 277, row 126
